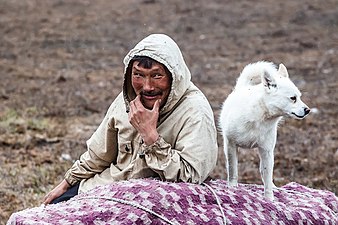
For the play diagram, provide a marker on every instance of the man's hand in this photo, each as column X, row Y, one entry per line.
column 56, row 192
column 144, row 120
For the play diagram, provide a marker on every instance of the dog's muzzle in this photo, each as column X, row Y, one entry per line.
column 306, row 112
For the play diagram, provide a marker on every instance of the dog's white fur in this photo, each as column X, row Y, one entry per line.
column 250, row 116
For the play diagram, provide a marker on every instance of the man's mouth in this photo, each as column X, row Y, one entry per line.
column 150, row 96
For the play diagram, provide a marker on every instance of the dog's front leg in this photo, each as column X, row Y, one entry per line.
column 230, row 151
column 266, row 170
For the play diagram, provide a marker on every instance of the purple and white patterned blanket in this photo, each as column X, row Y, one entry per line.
column 150, row 201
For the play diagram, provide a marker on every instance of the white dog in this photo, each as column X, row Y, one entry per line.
column 250, row 116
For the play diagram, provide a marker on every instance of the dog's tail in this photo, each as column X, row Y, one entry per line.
column 252, row 73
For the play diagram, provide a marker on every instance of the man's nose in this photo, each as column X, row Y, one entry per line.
column 148, row 84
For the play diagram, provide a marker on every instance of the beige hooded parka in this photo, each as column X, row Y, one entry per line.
column 187, row 147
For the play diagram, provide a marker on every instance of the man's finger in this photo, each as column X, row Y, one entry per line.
column 46, row 200
column 156, row 106
column 138, row 102
column 133, row 107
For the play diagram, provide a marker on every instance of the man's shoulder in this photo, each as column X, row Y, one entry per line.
column 195, row 97
column 195, row 102
column 117, row 103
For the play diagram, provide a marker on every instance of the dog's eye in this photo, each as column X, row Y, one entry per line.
column 293, row 98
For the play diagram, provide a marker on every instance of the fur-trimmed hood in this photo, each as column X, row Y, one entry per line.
column 163, row 49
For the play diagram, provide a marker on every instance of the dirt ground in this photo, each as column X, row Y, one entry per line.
column 61, row 66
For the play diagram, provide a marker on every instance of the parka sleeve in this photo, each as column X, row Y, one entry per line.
column 99, row 155
column 193, row 159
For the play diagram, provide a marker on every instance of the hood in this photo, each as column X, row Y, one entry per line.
column 163, row 49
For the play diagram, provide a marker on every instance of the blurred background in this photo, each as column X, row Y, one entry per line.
column 61, row 67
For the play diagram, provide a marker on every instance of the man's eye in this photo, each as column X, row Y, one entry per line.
column 293, row 98
column 137, row 75
column 157, row 76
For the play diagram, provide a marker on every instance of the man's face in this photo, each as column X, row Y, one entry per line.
column 151, row 84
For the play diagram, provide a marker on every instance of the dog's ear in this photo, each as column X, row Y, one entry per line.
column 268, row 80
column 283, row 71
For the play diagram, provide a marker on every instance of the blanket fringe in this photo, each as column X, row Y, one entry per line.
column 218, row 202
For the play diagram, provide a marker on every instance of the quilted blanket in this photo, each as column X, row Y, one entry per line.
column 150, row 201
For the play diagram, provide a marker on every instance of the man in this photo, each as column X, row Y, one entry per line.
column 161, row 125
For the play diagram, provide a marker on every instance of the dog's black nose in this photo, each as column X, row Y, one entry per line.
column 307, row 111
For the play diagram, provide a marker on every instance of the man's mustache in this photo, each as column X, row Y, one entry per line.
column 150, row 93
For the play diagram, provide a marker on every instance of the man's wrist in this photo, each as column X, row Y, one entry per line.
column 160, row 146
column 151, row 139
